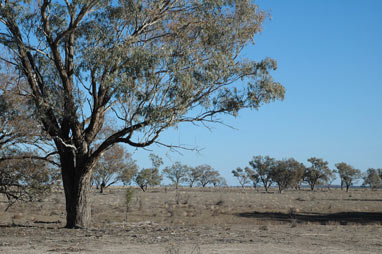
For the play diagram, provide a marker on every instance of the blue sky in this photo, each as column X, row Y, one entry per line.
column 329, row 60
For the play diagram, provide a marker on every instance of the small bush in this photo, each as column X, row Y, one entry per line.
column 129, row 197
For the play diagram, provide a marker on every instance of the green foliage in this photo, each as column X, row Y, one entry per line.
column 151, row 61
column 348, row 174
column 148, row 177
column 241, row 175
column 129, row 194
column 112, row 165
column 219, row 181
column 128, row 172
column 372, row 178
column 284, row 173
column 177, row 173
column 193, row 176
column 149, row 64
column 207, row 175
column 24, row 180
column 253, row 176
column 263, row 167
column 317, row 173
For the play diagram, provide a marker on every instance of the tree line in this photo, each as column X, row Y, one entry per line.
column 289, row 173
column 118, row 166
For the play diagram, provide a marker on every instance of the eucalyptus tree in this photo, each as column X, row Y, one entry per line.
column 241, row 175
column 379, row 171
column 129, row 171
column 149, row 64
column 298, row 176
column 317, row 173
column 24, row 179
column 149, row 176
column 110, row 166
column 208, row 175
column 252, row 176
column 177, row 173
column 262, row 165
column 348, row 174
column 18, row 127
column 331, row 177
column 24, row 176
column 371, row 178
column 283, row 173
column 193, row 176
column 219, row 181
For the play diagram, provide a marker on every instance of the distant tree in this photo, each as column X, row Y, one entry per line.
column 298, row 178
column 253, row 176
column 316, row 173
column 112, row 163
column 242, row 176
column 379, row 171
column 129, row 171
column 219, row 181
column 207, row 174
column 177, row 173
column 331, row 177
column 262, row 167
column 193, row 175
column 150, row 176
column 24, row 180
column 371, row 178
column 284, row 172
column 24, row 175
column 348, row 174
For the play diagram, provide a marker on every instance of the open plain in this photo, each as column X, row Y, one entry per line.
column 201, row 220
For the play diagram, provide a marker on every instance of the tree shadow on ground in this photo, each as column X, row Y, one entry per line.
column 322, row 218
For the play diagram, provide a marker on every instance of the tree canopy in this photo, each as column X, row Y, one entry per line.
column 148, row 64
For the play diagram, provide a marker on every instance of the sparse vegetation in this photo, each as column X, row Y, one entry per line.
column 207, row 175
column 263, row 167
column 150, row 176
column 24, row 180
column 283, row 173
column 348, row 174
column 317, row 173
column 177, row 173
column 110, row 164
column 372, row 178
column 242, row 176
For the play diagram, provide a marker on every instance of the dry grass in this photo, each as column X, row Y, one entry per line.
column 179, row 220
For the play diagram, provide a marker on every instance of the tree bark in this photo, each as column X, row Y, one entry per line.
column 78, row 211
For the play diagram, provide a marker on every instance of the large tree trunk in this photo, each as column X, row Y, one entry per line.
column 77, row 186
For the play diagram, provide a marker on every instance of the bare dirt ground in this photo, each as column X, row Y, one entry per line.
column 197, row 220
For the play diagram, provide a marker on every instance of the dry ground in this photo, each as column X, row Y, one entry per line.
column 197, row 220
